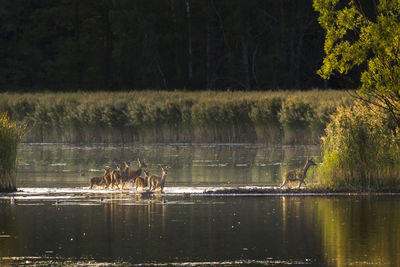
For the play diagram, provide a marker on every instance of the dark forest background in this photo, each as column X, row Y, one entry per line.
column 161, row 44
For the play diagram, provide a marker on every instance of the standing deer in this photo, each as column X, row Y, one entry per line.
column 157, row 182
column 132, row 175
column 115, row 177
column 141, row 182
column 99, row 180
column 125, row 174
column 298, row 174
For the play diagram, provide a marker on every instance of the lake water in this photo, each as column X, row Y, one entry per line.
column 57, row 220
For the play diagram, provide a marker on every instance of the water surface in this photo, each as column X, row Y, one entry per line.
column 57, row 220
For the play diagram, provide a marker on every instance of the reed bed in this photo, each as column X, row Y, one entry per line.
column 361, row 150
column 178, row 116
column 10, row 136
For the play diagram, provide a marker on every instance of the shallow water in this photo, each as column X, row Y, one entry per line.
column 56, row 220
column 50, row 165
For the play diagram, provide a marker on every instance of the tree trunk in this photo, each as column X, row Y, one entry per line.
column 246, row 65
column 298, row 62
column 107, row 44
column 78, row 60
column 162, row 76
column 253, row 66
column 284, row 67
column 176, row 42
column 190, row 60
column 210, row 48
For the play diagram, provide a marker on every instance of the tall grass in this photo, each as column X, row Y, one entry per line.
column 158, row 116
column 361, row 150
column 10, row 136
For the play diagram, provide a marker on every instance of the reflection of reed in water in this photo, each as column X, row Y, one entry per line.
column 298, row 224
column 132, row 220
column 195, row 165
column 360, row 231
column 284, row 217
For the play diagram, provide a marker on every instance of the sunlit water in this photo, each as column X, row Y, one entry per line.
column 55, row 219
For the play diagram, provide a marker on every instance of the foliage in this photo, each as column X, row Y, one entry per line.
column 10, row 136
column 364, row 34
column 159, row 116
column 360, row 149
column 73, row 45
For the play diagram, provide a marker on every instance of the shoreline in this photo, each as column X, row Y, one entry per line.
column 299, row 192
column 187, row 192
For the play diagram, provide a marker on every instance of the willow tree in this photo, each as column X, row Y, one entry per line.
column 10, row 136
column 365, row 35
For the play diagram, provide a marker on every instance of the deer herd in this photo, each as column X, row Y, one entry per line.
column 121, row 176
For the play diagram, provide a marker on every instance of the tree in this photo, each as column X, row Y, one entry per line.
column 365, row 35
column 174, row 44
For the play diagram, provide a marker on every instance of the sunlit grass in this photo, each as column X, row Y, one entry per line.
column 10, row 136
column 361, row 150
column 157, row 116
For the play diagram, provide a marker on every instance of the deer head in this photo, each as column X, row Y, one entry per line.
column 310, row 162
column 142, row 165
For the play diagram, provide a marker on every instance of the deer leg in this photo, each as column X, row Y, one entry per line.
column 117, row 182
column 301, row 181
column 284, row 182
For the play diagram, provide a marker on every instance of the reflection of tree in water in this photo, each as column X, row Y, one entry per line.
column 359, row 230
column 298, row 227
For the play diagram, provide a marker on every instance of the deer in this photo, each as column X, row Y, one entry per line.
column 115, row 177
column 124, row 178
column 132, row 175
column 298, row 174
column 142, row 182
column 99, row 180
column 157, row 182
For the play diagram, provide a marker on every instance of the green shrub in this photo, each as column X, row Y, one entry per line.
column 10, row 136
column 360, row 150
